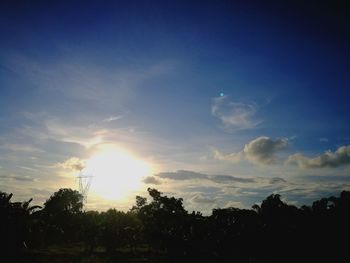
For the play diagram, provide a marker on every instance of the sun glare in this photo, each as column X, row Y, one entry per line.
column 116, row 173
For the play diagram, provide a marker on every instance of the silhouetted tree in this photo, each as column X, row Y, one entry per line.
column 14, row 225
column 62, row 212
column 164, row 221
column 65, row 201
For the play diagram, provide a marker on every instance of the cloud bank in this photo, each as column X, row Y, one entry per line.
column 181, row 175
column 328, row 159
column 184, row 175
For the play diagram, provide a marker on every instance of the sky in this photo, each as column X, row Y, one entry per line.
column 225, row 101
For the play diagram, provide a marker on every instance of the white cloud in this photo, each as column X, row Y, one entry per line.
column 328, row 159
column 261, row 150
column 235, row 115
column 72, row 163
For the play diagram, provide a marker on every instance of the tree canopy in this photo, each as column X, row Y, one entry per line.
column 160, row 228
column 64, row 201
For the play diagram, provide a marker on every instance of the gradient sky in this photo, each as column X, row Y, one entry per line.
column 229, row 101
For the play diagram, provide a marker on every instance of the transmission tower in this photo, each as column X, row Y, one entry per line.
column 84, row 181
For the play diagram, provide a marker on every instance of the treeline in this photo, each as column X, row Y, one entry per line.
column 271, row 232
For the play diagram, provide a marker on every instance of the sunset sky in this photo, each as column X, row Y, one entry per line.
column 219, row 102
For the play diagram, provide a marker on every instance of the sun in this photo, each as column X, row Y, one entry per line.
column 116, row 173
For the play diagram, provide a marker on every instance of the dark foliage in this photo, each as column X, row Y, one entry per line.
column 161, row 229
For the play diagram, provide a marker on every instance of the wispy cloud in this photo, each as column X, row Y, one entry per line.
column 328, row 159
column 201, row 199
column 83, row 135
column 232, row 157
column 17, row 178
column 21, row 148
column 113, row 118
column 27, row 168
column 76, row 79
column 235, row 115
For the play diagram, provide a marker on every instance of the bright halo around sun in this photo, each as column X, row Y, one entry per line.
column 116, row 173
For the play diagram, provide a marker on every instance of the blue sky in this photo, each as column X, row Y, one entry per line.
column 148, row 76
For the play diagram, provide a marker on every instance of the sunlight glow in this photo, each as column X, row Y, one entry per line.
column 116, row 173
